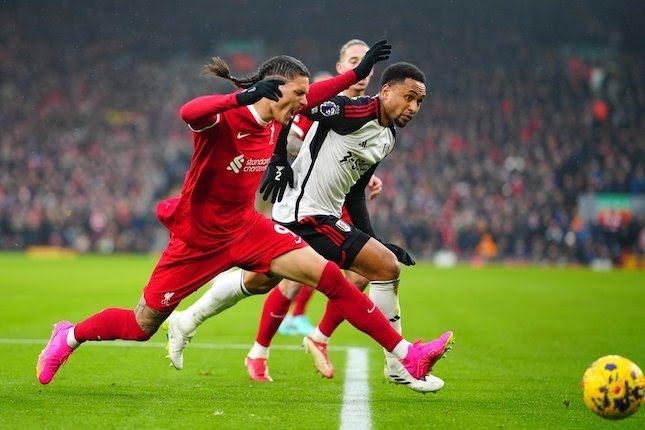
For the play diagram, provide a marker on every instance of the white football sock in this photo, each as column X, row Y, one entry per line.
column 226, row 290
column 259, row 351
column 318, row 336
column 71, row 340
column 401, row 349
column 385, row 295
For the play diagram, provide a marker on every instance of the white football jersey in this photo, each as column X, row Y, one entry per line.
column 344, row 143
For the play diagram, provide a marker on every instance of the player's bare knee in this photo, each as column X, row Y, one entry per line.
column 261, row 289
column 357, row 280
column 361, row 284
column 256, row 283
column 149, row 320
column 264, row 287
column 290, row 289
column 149, row 326
column 390, row 268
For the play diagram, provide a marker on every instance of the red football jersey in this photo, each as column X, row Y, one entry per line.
column 228, row 162
column 232, row 149
column 301, row 125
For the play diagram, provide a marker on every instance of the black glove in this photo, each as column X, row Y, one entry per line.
column 265, row 88
column 279, row 173
column 401, row 254
column 378, row 52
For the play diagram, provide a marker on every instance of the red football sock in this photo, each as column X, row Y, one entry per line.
column 356, row 307
column 110, row 324
column 274, row 310
column 330, row 320
column 301, row 300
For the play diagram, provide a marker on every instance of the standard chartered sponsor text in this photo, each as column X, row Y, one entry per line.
column 256, row 164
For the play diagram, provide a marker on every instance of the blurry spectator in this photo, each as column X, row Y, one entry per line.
column 486, row 248
column 516, row 126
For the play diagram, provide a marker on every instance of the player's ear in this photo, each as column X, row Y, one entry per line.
column 385, row 90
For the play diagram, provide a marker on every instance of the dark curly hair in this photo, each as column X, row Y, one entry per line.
column 398, row 72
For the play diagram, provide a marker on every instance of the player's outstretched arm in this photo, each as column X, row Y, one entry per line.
column 380, row 51
column 328, row 88
column 201, row 111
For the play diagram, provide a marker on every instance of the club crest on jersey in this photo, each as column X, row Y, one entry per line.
column 166, row 298
column 343, row 226
column 329, row 108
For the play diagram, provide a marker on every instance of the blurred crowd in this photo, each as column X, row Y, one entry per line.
column 512, row 133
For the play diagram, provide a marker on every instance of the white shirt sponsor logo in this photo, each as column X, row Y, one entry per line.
column 236, row 164
column 240, row 164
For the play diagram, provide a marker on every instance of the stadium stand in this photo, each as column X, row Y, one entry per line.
column 523, row 119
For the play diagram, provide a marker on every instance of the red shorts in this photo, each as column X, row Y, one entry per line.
column 183, row 269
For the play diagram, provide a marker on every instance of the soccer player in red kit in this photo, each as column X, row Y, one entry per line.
column 224, row 291
column 214, row 226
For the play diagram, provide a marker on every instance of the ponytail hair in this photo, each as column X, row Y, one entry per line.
column 283, row 65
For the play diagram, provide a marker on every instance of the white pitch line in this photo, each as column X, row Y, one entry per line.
column 148, row 344
column 355, row 414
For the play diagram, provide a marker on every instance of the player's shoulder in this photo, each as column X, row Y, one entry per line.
column 363, row 107
column 339, row 105
column 361, row 100
column 215, row 124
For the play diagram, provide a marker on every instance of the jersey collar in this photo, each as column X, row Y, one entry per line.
column 256, row 116
column 378, row 115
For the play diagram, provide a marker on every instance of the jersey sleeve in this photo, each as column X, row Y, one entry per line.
column 203, row 112
column 328, row 88
column 344, row 115
column 356, row 205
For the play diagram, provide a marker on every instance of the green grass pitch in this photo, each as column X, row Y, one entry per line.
column 524, row 337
